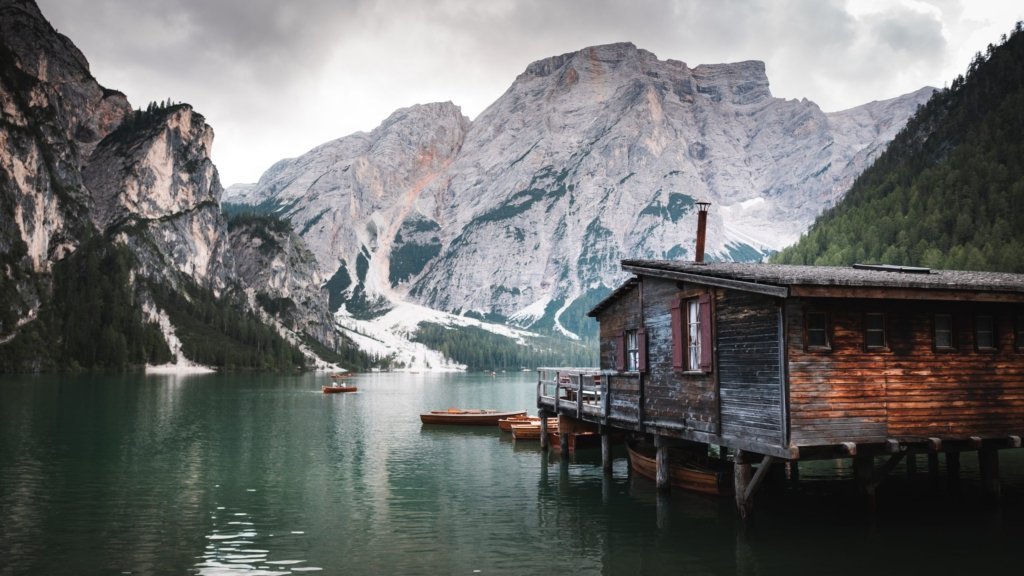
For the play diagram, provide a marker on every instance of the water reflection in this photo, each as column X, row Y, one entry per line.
column 235, row 545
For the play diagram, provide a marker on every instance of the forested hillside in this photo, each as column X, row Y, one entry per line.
column 949, row 190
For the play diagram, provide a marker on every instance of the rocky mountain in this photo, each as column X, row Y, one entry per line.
column 128, row 199
column 281, row 276
column 523, row 214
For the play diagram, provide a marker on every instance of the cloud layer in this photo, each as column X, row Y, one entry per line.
column 277, row 78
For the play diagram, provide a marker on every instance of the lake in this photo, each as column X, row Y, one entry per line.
column 264, row 474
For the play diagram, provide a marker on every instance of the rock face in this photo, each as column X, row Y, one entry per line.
column 282, row 276
column 77, row 161
column 54, row 114
column 153, row 184
column 588, row 158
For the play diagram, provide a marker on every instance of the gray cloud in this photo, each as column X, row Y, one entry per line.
column 277, row 77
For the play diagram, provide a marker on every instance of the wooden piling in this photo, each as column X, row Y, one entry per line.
column 953, row 466
column 663, row 478
column 742, row 474
column 544, row 415
column 606, row 451
column 988, row 461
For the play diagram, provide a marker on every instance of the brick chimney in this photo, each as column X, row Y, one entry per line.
column 702, row 227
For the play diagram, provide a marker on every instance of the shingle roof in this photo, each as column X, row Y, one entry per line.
column 875, row 277
column 776, row 279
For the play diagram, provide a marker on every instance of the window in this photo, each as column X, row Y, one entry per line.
column 632, row 351
column 874, row 331
column 943, row 332
column 816, row 331
column 984, row 332
column 692, row 345
column 1019, row 331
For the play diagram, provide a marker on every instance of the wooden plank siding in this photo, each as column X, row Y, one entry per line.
column 673, row 399
column 750, row 366
column 909, row 390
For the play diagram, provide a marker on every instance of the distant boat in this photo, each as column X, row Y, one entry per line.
column 337, row 388
column 467, row 417
column 340, row 375
column 683, row 474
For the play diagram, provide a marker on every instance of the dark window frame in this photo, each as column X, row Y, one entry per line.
column 993, row 332
column 632, row 348
column 869, row 330
column 825, row 331
column 952, row 346
column 1018, row 331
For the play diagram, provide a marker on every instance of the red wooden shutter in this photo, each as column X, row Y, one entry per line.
column 620, row 352
column 678, row 345
column 641, row 345
column 706, row 344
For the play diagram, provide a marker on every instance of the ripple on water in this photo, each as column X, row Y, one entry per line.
column 231, row 551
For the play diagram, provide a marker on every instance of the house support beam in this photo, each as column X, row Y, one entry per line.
column 544, row 415
column 988, row 461
column 663, row 478
column 606, row 451
column 746, row 481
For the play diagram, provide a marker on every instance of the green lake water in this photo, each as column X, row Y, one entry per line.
column 219, row 474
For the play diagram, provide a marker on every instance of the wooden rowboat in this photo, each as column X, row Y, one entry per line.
column 531, row 430
column 683, row 474
column 467, row 417
column 505, row 424
column 335, row 389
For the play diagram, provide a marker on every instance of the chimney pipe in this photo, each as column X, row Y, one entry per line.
column 702, row 226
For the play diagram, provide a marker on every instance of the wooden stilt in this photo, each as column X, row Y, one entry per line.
column 864, row 471
column 742, row 475
column 911, row 466
column 663, row 479
column 953, row 466
column 794, row 471
column 933, row 466
column 543, row 428
column 563, row 440
column 988, row 461
column 606, row 452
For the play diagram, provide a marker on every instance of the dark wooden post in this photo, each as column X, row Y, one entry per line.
column 544, row 415
column 864, row 471
column 953, row 467
column 563, row 440
column 606, row 451
column 663, row 479
column 933, row 467
column 794, row 471
column 988, row 461
column 742, row 475
column 911, row 465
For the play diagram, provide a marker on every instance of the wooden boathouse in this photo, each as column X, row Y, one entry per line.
column 777, row 363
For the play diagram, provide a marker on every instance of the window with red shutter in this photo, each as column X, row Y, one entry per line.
column 706, row 345
column 678, row 344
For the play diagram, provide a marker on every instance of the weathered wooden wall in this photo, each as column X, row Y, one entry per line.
column 749, row 367
column 673, row 398
column 909, row 391
column 623, row 389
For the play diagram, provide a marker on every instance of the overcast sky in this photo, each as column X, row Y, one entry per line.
column 277, row 77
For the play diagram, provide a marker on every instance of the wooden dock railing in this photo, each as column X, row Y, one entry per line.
column 579, row 391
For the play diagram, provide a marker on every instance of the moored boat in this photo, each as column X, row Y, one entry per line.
column 335, row 389
column 505, row 424
column 531, row 430
column 467, row 417
column 683, row 474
